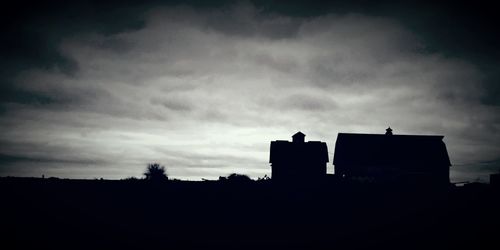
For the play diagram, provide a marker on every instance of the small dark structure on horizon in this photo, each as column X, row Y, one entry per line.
column 495, row 180
column 298, row 159
column 386, row 157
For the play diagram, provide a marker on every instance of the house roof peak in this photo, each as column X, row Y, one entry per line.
column 299, row 134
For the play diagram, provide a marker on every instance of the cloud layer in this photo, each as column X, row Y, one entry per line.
column 203, row 92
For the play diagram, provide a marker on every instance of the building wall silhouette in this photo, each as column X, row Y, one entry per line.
column 298, row 160
column 392, row 158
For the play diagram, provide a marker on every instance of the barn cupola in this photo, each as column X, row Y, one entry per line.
column 388, row 131
column 298, row 137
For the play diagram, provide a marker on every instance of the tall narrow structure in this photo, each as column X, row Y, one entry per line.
column 298, row 160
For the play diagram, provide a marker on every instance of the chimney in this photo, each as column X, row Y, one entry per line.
column 298, row 137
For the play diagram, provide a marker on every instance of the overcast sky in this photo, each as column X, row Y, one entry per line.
column 99, row 90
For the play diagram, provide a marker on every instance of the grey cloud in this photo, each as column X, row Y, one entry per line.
column 36, row 158
column 173, row 104
column 8, row 159
column 241, row 20
column 306, row 102
column 113, row 44
column 279, row 63
column 302, row 102
column 195, row 160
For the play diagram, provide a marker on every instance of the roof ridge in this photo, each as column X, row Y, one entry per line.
column 394, row 135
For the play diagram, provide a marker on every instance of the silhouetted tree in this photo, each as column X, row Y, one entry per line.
column 155, row 172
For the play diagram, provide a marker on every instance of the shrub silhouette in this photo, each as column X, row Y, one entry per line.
column 155, row 172
column 241, row 178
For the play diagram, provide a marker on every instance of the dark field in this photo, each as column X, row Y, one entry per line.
column 90, row 214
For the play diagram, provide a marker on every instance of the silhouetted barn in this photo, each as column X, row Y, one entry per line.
column 298, row 160
column 399, row 158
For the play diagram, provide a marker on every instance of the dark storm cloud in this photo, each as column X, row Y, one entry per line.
column 9, row 159
column 27, row 157
column 211, row 85
column 32, row 31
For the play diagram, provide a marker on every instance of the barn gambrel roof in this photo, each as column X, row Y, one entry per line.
column 390, row 150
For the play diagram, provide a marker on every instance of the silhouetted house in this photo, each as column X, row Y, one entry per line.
column 388, row 158
column 298, row 159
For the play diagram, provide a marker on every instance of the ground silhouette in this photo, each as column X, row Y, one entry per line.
column 236, row 213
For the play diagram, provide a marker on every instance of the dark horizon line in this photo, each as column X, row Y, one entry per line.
column 175, row 179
